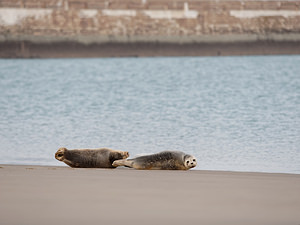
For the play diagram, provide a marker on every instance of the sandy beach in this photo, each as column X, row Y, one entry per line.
column 63, row 195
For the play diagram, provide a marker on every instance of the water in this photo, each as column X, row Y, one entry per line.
column 232, row 113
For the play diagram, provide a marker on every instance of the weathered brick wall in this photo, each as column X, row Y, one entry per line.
column 154, row 4
column 147, row 18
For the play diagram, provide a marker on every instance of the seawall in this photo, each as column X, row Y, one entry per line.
column 108, row 28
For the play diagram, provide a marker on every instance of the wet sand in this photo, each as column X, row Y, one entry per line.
column 62, row 195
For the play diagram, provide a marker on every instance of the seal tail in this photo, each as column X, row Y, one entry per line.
column 122, row 162
column 60, row 154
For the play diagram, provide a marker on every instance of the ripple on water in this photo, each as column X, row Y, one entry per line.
column 232, row 113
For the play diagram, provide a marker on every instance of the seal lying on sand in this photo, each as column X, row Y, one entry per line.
column 90, row 158
column 166, row 160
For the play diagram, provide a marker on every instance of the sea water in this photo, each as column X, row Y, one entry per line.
column 232, row 113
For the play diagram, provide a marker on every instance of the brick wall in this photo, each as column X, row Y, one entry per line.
column 147, row 18
column 153, row 4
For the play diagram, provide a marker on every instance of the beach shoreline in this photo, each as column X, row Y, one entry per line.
column 59, row 194
column 62, row 165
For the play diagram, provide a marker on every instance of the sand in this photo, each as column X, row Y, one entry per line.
column 32, row 195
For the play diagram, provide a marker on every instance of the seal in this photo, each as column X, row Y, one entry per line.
column 166, row 160
column 90, row 158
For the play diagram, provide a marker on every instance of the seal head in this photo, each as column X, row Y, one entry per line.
column 190, row 161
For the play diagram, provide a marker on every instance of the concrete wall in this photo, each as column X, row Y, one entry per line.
column 136, row 21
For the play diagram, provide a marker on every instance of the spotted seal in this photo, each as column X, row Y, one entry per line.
column 166, row 160
column 90, row 158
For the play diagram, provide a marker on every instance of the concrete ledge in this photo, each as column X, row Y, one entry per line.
column 97, row 39
column 66, row 49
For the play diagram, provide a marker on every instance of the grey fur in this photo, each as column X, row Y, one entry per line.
column 166, row 160
column 90, row 158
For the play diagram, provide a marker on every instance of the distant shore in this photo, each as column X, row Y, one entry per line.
column 147, row 28
column 93, row 46
column 63, row 195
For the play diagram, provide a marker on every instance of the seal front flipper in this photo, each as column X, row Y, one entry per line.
column 123, row 162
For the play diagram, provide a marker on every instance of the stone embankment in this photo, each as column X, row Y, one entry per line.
column 103, row 28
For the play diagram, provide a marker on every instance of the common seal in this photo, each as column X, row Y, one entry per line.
column 166, row 160
column 90, row 158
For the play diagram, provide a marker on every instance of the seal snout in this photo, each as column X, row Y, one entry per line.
column 59, row 155
column 191, row 162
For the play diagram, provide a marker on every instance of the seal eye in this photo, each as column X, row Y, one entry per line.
column 187, row 161
column 60, row 155
column 194, row 160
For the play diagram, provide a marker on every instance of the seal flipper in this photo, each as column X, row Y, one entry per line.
column 123, row 162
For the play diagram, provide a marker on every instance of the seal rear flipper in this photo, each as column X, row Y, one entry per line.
column 122, row 162
column 60, row 154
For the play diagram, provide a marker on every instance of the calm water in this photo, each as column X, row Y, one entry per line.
column 232, row 113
